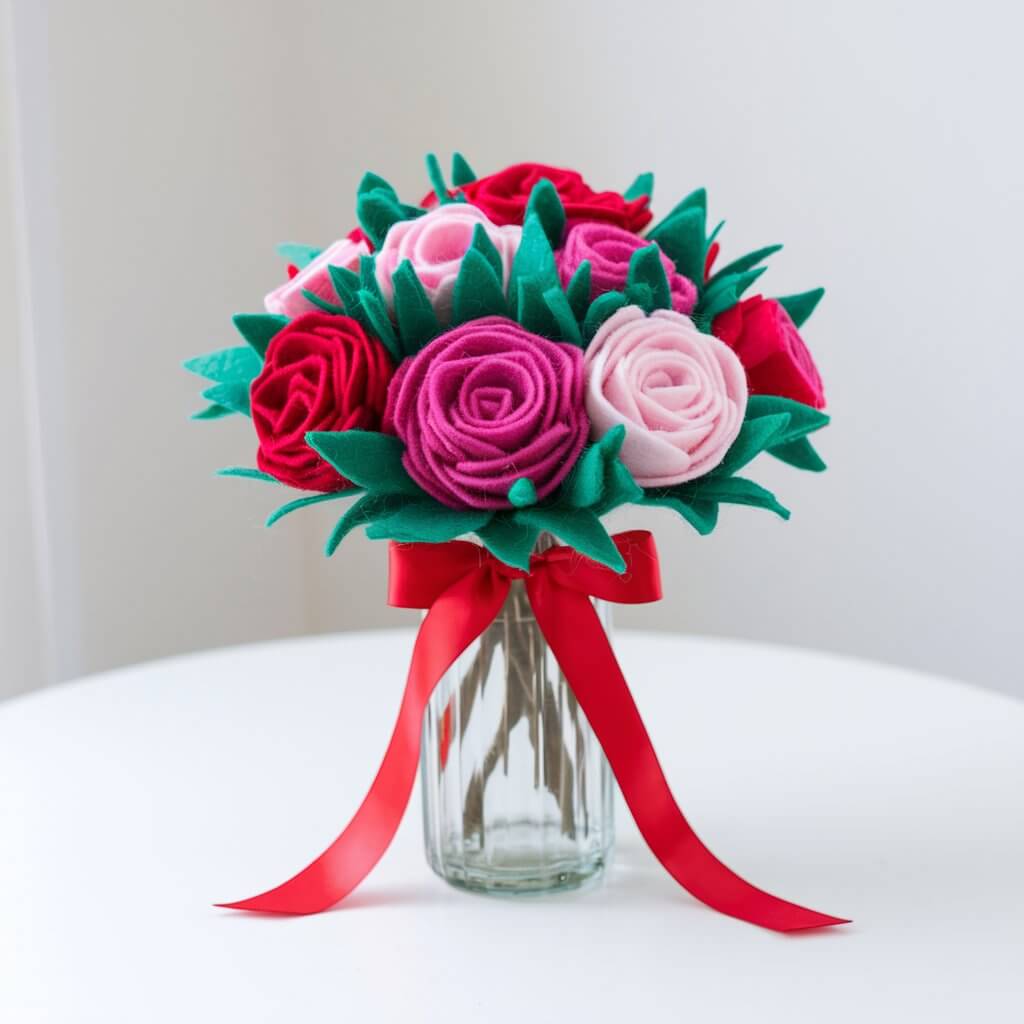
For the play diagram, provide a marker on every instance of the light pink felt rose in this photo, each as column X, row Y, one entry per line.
column 434, row 244
column 681, row 394
column 288, row 300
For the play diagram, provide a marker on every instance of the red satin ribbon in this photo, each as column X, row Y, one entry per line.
column 464, row 587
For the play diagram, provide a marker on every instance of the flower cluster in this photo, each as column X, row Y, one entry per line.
column 514, row 355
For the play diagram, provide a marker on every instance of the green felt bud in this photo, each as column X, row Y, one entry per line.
column 642, row 186
column 232, row 395
column 509, row 540
column 578, row 292
column 437, row 182
column 800, row 307
column 681, row 237
column 645, row 267
column 297, row 254
column 568, row 326
column 367, row 509
column 462, row 173
column 424, row 520
column 247, row 474
column 546, row 204
column 258, row 329
column 578, row 527
column 600, row 309
column 369, row 459
column 478, row 292
column 482, row 244
column 314, row 499
column 417, row 321
column 747, row 262
column 522, row 493
column 226, row 365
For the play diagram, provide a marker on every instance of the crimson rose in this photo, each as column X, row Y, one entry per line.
column 503, row 197
column 321, row 372
column 771, row 350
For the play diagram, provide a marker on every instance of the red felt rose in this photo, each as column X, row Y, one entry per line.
column 321, row 372
column 774, row 355
column 503, row 197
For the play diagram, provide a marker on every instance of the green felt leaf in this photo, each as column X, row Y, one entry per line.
column 726, row 292
column 314, row 499
column 462, row 173
column 478, row 292
column 233, row 395
column 212, row 412
column 297, row 254
column 371, row 182
column 437, row 182
column 482, row 244
column 532, row 310
column 800, row 307
column 599, row 481
column 600, row 310
column 619, row 488
column 227, row 364
column 522, row 493
column 642, row 186
column 368, row 276
column 247, row 474
column 645, row 267
column 701, row 515
column 417, row 321
column 578, row 292
column 424, row 520
column 756, row 435
column 509, row 540
column 367, row 509
column 546, row 204
column 736, row 490
column 803, row 419
column 258, row 329
column 697, row 200
column 800, row 454
column 367, row 458
column 534, row 259
column 579, row 528
column 747, row 262
column 681, row 237
column 568, row 326
column 323, row 304
column 640, row 294
column 346, row 286
column 377, row 212
column 380, row 323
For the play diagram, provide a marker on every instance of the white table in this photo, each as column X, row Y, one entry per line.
column 131, row 801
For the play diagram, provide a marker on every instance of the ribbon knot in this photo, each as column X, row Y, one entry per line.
column 463, row 587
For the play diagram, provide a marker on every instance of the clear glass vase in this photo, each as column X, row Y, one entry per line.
column 517, row 794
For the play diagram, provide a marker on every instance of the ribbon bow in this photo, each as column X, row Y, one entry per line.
column 464, row 587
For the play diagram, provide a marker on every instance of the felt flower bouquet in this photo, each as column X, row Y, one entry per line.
column 519, row 354
column 513, row 358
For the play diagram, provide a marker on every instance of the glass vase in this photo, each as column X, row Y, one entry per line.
column 517, row 794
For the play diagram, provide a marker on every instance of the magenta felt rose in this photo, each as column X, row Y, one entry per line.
column 434, row 244
column 288, row 300
column 681, row 394
column 484, row 404
column 609, row 249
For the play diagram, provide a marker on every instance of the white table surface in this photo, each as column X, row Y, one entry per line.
column 131, row 801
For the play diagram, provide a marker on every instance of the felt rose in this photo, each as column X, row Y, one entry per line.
column 503, row 197
column 771, row 350
column 288, row 300
column 484, row 404
column 609, row 249
column 681, row 394
column 321, row 372
column 435, row 244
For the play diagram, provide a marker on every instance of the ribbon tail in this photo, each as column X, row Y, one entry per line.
column 454, row 621
column 581, row 647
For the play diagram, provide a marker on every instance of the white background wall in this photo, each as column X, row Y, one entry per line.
column 158, row 150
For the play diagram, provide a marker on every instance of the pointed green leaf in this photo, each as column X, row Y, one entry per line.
column 534, row 259
column 640, row 294
column 482, row 244
column 546, row 204
column 756, row 435
column 212, row 412
column 747, row 262
column 619, row 488
column 377, row 211
column 371, row 182
column 737, row 491
column 380, row 322
column 681, row 237
column 478, row 292
column 595, row 482
column 424, row 520
column 227, row 364
column 579, row 528
column 462, row 173
column 368, row 276
column 437, row 182
column 522, row 493
column 258, row 328
column 248, row 474
column 417, row 321
column 642, row 186
column 367, row 458
column 726, row 292
column 645, row 267
column 322, row 304
column 600, row 310
column 696, row 200
column 232, row 395
column 701, row 515
column 367, row 509
column 568, row 327
column 297, row 254
column 578, row 292
column 509, row 540
column 533, row 312
column 803, row 419
column 800, row 307
column 800, row 454
column 314, row 499
column 346, row 286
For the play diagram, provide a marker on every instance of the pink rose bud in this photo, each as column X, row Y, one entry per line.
column 288, row 300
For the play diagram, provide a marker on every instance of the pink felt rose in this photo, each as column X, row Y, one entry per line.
column 434, row 244
column 609, row 249
column 681, row 394
column 288, row 300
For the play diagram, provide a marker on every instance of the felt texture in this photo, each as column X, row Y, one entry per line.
column 233, row 395
column 367, row 509
column 225, row 365
column 435, row 245
column 258, row 328
column 462, row 173
column 642, row 187
column 544, row 202
column 324, row 305
column 379, row 322
column 314, row 499
column 504, row 197
column 425, row 521
column 484, row 404
column 773, row 354
column 680, row 394
column 291, row 299
column 800, row 307
column 532, row 310
column 212, row 412
column 736, row 490
column 681, row 236
column 695, row 200
column 600, row 481
column 601, row 309
column 297, row 254
column 509, row 539
column 417, row 321
column 322, row 373
column 800, row 454
column 701, row 515
column 522, row 493
column 534, row 261
column 747, row 262
column 580, row 528
column 345, row 281
column 367, row 458
column 758, row 434
column 577, row 291
column 478, row 290
column 611, row 252
column 568, row 327
column 437, row 181
column 482, row 244
column 725, row 292
column 247, row 474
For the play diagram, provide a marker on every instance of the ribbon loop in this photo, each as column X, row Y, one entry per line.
column 464, row 587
